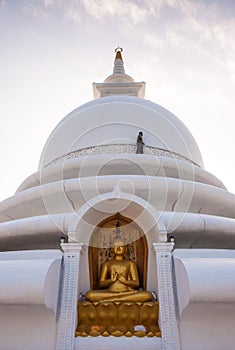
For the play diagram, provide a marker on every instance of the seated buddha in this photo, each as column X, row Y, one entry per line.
column 118, row 279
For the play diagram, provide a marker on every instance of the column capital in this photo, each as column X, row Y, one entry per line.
column 73, row 247
column 163, row 247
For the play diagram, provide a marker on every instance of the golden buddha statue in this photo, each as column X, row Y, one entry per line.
column 120, row 278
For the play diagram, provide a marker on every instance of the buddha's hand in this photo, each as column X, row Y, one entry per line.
column 114, row 277
column 121, row 278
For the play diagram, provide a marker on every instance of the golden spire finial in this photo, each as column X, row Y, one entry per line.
column 118, row 51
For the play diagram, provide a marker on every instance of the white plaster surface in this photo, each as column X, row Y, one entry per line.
column 165, row 194
column 208, row 326
column 113, row 164
column 107, row 343
column 25, row 327
column 118, row 119
column 29, row 287
column 190, row 229
column 206, row 297
column 205, row 280
column 29, row 281
column 193, row 230
column 110, row 88
column 50, row 254
column 43, row 224
column 204, row 254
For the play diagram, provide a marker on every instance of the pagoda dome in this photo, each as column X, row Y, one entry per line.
column 116, row 120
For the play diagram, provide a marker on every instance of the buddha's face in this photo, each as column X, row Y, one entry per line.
column 119, row 248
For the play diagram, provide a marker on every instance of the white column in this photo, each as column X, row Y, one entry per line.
column 166, row 296
column 69, row 296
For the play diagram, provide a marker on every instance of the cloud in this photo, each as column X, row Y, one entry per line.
column 195, row 29
column 198, row 28
column 99, row 9
column 33, row 11
column 48, row 2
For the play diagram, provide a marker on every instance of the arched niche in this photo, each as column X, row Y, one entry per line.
column 101, row 243
column 84, row 222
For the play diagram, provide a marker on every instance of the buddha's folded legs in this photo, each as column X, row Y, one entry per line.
column 106, row 295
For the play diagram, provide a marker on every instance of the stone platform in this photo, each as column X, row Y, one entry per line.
column 102, row 343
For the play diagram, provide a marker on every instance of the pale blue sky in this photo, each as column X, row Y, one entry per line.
column 52, row 51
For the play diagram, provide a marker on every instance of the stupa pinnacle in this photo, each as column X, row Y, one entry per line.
column 118, row 62
column 119, row 83
column 119, row 74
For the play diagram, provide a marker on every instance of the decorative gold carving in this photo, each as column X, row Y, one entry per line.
column 127, row 319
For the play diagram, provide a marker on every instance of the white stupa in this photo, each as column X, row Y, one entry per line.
column 90, row 175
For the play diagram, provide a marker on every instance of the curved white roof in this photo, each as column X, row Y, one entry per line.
column 117, row 120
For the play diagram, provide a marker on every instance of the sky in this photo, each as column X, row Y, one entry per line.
column 53, row 50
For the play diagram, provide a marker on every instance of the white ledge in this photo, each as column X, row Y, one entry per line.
column 30, row 281
column 205, row 280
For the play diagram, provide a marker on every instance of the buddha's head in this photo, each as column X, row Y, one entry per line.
column 119, row 247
